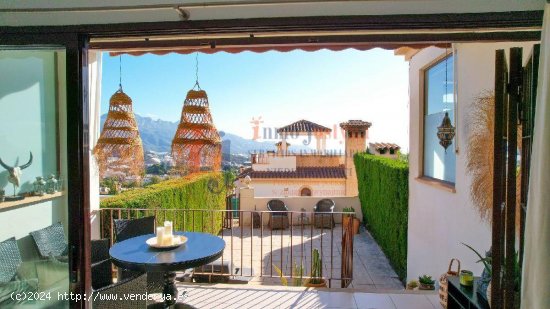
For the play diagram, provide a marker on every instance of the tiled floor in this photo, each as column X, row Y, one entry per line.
column 246, row 296
column 255, row 251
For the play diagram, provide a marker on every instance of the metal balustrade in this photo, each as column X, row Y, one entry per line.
column 254, row 251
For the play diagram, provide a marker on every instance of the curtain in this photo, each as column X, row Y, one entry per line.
column 536, row 263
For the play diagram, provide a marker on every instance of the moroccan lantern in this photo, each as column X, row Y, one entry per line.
column 446, row 132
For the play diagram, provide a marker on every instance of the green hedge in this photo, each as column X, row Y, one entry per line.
column 204, row 191
column 384, row 195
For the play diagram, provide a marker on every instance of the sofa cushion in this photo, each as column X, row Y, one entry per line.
column 50, row 240
column 10, row 259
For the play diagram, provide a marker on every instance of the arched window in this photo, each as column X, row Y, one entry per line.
column 305, row 192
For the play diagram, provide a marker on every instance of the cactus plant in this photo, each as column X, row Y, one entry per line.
column 316, row 268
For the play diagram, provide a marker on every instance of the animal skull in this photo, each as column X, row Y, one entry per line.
column 15, row 173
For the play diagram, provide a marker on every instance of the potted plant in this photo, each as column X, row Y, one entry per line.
column 297, row 274
column 412, row 285
column 349, row 214
column 316, row 279
column 426, row 282
column 484, row 288
column 2, row 195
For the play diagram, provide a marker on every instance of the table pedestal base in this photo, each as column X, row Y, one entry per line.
column 170, row 291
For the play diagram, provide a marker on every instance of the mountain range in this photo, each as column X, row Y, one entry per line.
column 157, row 135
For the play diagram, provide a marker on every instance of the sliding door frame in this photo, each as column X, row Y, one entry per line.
column 77, row 148
column 504, row 26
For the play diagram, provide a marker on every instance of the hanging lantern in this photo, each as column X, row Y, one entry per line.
column 197, row 144
column 446, row 132
column 119, row 151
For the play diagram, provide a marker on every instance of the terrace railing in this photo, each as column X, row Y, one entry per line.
column 253, row 249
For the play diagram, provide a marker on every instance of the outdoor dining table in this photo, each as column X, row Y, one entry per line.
column 135, row 254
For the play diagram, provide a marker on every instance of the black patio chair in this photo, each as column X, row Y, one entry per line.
column 50, row 242
column 133, row 285
column 102, row 271
column 278, row 220
column 129, row 228
column 323, row 217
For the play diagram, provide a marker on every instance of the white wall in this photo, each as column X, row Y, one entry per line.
column 30, row 100
column 265, row 188
column 275, row 163
column 320, row 8
column 439, row 219
column 297, row 203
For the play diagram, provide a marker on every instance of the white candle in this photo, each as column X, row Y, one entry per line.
column 168, row 240
column 160, row 235
column 168, row 228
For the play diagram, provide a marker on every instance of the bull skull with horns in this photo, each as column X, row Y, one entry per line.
column 14, row 176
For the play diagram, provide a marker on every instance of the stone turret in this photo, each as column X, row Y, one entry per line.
column 356, row 141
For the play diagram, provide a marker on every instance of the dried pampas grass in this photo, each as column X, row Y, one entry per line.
column 480, row 160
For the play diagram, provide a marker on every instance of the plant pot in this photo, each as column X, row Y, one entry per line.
column 423, row 286
column 356, row 224
column 322, row 284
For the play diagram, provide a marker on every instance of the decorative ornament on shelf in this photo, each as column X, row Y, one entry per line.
column 39, row 186
column 51, row 184
column 14, row 177
column 446, row 132
column 197, row 144
column 119, row 150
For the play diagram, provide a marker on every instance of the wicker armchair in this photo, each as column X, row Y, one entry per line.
column 50, row 242
column 102, row 271
column 323, row 217
column 103, row 296
column 100, row 250
column 278, row 220
column 128, row 228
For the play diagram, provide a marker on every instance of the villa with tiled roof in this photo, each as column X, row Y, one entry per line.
column 283, row 173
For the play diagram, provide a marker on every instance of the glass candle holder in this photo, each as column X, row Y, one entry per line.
column 39, row 186
column 466, row 278
column 51, row 185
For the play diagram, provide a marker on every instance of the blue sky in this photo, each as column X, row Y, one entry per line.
column 324, row 87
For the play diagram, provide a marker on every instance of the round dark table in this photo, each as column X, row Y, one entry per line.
column 135, row 254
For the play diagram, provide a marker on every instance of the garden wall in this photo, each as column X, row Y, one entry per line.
column 204, row 191
column 384, row 195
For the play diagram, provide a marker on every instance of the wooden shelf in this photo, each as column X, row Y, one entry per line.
column 30, row 200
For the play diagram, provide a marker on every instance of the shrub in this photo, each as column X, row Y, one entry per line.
column 203, row 191
column 384, row 195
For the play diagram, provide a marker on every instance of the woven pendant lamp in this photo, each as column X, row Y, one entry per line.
column 119, row 151
column 197, row 144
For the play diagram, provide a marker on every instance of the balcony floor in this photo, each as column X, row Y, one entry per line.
column 255, row 251
column 246, row 296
